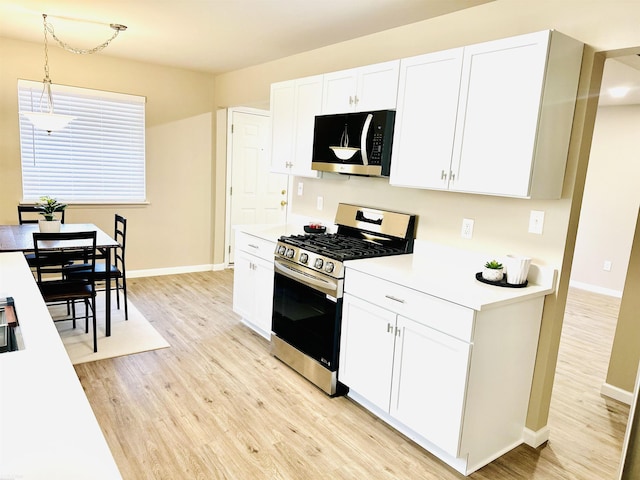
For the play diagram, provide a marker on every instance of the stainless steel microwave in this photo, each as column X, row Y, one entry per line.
column 354, row 143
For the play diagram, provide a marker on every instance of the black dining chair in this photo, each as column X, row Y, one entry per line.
column 29, row 214
column 56, row 255
column 117, row 269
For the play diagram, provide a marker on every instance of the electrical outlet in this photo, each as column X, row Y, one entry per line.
column 320, row 203
column 536, row 222
column 467, row 228
column 300, row 188
column 607, row 266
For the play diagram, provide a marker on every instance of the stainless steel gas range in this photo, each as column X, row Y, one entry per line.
column 308, row 286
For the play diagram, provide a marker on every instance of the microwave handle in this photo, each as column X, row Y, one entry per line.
column 363, row 139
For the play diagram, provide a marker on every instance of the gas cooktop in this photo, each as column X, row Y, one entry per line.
column 362, row 233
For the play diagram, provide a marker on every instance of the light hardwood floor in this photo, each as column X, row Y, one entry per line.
column 217, row 405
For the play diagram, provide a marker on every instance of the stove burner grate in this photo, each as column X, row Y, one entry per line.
column 341, row 247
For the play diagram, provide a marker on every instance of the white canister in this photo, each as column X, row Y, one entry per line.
column 517, row 269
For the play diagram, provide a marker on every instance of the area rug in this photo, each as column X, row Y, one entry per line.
column 127, row 336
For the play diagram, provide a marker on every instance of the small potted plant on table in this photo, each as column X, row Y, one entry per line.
column 48, row 206
column 493, row 271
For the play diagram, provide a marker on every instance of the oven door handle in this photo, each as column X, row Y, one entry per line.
column 321, row 284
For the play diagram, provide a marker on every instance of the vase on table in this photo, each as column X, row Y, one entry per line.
column 49, row 226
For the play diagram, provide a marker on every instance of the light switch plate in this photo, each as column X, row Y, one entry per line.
column 300, row 188
column 467, row 228
column 536, row 222
column 320, row 203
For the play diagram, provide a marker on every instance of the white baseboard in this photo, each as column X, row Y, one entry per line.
column 595, row 289
column 616, row 393
column 537, row 438
column 155, row 272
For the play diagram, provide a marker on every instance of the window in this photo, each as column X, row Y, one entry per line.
column 98, row 158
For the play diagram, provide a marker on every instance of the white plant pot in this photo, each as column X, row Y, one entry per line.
column 492, row 274
column 49, row 226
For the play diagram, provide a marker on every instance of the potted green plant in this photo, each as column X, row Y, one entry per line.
column 493, row 271
column 48, row 206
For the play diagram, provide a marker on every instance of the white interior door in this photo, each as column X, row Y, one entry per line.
column 256, row 196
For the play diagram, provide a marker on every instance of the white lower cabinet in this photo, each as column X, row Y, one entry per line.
column 453, row 379
column 429, row 400
column 413, row 372
column 253, row 282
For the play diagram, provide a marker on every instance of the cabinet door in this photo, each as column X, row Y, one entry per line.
column 366, row 350
column 243, row 285
column 426, row 119
column 373, row 87
column 377, row 86
column 308, row 104
column 263, row 296
column 429, row 383
column 339, row 91
column 283, row 120
column 502, row 85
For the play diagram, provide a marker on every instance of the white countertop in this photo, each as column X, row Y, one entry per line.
column 47, row 427
column 450, row 274
column 270, row 232
column 438, row 270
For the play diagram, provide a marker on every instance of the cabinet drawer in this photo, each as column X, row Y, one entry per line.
column 433, row 312
column 255, row 245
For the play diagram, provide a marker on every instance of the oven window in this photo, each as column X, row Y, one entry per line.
column 307, row 320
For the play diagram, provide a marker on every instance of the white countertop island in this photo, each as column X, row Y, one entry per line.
column 47, row 427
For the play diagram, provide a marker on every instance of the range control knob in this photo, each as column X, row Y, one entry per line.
column 329, row 267
column 290, row 253
column 304, row 258
column 282, row 249
column 318, row 263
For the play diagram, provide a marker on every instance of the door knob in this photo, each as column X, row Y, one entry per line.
column 283, row 203
column 283, row 192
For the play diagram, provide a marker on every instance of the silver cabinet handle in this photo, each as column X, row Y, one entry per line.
column 443, row 175
column 395, row 299
column 253, row 246
column 389, row 328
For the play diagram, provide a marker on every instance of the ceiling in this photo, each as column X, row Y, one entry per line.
column 214, row 35
column 223, row 35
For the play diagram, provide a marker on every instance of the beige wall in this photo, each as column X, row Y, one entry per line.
column 625, row 353
column 500, row 224
column 175, row 228
column 611, row 199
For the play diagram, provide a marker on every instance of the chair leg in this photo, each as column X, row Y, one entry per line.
column 95, row 330
column 126, row 303
column 86, row 315
column 117, row 282
column 73, row 312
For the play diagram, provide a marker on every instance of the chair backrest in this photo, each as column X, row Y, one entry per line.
column 56, row 253
column 31, row 214
column 120, row 236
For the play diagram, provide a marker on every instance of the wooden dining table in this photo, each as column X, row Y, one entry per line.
column 19, row 238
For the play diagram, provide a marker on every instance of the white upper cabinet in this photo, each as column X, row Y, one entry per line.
column 428, row 93
column 513, row 118
column 294, row 105
column 373, row 87
column 514, row 124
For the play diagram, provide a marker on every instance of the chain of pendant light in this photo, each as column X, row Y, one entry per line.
column 48, row 27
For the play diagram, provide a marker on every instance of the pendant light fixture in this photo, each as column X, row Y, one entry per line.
column 46, row 119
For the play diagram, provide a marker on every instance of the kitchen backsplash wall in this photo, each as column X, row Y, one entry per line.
column 500, row 224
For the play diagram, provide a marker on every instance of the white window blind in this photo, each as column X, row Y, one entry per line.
column 98, row 157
